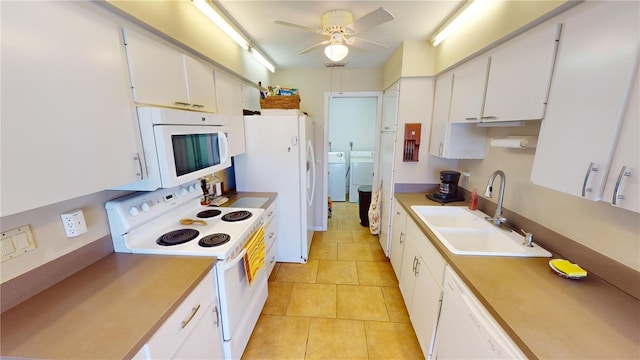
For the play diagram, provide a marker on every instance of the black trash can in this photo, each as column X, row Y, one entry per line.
column 364, row 198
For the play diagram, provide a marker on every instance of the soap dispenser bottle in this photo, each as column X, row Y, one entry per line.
column 473, row 201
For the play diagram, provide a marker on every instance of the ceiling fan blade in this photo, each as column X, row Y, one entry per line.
column 280, row 22
column 370, row 20
column 313, row 47
column 353, row 39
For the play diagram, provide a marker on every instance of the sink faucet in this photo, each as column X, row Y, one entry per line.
column 497, row 219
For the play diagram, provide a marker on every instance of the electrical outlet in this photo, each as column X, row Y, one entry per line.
column 74, row 223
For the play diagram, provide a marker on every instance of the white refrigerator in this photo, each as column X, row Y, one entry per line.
column 280, row 158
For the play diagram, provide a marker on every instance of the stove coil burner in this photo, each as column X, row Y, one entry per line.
column 214, row 240
column 177, row 237
column 208, row 213
column 237, row 216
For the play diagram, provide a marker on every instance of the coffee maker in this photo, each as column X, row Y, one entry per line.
column 448, row 188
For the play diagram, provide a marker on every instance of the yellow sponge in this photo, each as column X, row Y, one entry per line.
column 566, row 268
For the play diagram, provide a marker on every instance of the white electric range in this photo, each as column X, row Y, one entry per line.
column 150, row 223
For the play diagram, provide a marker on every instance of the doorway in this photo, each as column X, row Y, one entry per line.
column 353, row 122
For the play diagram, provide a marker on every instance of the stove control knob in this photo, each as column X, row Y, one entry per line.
column 134, row 211
column 145, row 206
column 183, row 191
column 191, row 188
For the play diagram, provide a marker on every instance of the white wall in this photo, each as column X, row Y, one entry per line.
column 609, row 230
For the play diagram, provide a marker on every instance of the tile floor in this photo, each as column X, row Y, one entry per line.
column 344, row 303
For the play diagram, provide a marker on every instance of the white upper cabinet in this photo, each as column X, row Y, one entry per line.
column 390, row 98
column 229, row 92
column 250, row 98
column 594, row 70
column 453, row 140
column 68, row 122
column 469, row 86
column 622, row 188
column 163, row 76
column 519, row 76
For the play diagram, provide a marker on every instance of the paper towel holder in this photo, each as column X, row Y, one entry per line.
column 515, row 142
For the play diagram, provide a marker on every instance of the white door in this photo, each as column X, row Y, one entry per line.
column 387, row 167
column 310, row 184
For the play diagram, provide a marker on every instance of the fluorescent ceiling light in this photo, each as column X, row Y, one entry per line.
column 459, row 20
column 336, row 52
column 262, row 60
column 241, row 40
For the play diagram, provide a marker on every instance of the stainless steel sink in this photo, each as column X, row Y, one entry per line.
column 466, row 232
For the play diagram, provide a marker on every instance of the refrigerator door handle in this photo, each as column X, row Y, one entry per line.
column 311, row 157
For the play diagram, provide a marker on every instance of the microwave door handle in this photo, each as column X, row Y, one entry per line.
column 233, row 262
column 224, row 149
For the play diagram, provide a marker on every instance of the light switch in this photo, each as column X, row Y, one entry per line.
column 17, row 242
column 7, row 247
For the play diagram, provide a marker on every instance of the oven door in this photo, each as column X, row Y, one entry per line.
column 186, row 153
column 240, row 303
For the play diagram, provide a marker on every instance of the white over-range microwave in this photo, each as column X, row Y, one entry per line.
column 179, row 146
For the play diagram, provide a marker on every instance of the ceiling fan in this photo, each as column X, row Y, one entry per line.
column 341, row 29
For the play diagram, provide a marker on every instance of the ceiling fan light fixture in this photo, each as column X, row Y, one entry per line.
column 336, row 52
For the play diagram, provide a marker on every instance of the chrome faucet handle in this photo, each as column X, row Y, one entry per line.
column 528, row 238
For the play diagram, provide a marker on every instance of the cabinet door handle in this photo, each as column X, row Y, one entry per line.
column 136, row 157
column 193, row 313
column 270, row 235
column 592, row 168
column 616, row 190
column 417, row 271
column 441, row 149
column 471, row 119
column 182, row 103
column 401, row 237
column 415, row 263
column 215, row 308
column 197, row 106
column 489, row 118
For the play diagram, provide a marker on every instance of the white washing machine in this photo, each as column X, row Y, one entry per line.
column 337, row 176
column 361, row 172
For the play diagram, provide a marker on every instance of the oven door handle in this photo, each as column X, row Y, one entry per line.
column 233, row 262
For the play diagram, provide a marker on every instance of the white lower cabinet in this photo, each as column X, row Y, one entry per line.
column 192, row 331
column 398, row 237
column 421, row 285
column 465, row 331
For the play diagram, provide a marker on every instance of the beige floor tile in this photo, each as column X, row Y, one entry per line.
column 364, row 236
column 361, row 303
column 333, row 236
column 323, row 251
column 378, row 254
column 305, row 273
column 278, row 299
column 376, row 273
column 350, row 223
column 336, row 339
column 313, row 300
column 337, row 272
column 388, row 340
column 358, row 252
column 278, row 337
column 395, row 304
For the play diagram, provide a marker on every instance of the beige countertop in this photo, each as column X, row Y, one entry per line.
column 548, row 316
column 108, row 310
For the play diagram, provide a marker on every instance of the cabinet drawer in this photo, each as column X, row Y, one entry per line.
column 181, row 322
column 270, row 213
column 270, row 233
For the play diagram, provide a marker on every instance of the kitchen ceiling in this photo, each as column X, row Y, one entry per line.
column 414, row 21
